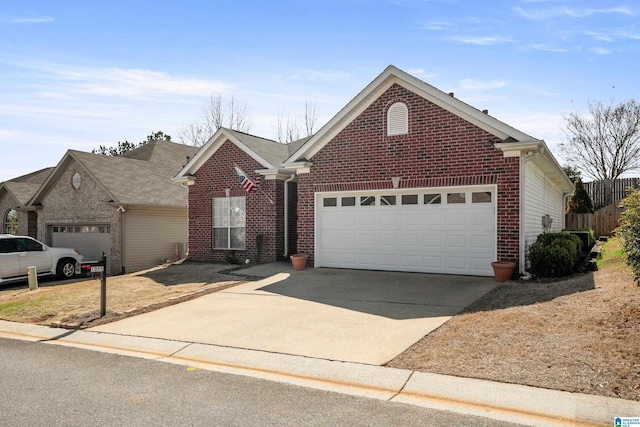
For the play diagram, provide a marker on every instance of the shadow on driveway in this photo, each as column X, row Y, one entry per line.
column 393, row 295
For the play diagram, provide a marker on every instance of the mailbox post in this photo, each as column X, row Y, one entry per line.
column 101, row 268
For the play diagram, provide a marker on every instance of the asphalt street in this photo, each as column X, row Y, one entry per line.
column 47, row 385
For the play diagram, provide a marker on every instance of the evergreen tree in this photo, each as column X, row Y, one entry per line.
column 580, row 202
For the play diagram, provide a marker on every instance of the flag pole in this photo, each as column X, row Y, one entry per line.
column 257, row 186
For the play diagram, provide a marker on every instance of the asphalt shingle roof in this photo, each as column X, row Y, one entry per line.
column 273, row 152
column 142, row 176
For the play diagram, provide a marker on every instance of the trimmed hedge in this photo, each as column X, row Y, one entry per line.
column 555, row 254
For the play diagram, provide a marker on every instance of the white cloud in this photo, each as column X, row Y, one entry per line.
column 422, row 74
column 436, row 25
column 545, row 14
column 30, row 20
column 547, row 48
column 313, row 75
column 132, row 82
column 600, row 51
column 482, row 40
column 601, row 36
column 477, row 85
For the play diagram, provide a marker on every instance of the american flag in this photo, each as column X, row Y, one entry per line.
column 246, row 182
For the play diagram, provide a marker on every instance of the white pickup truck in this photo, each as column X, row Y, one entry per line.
column 18, row 253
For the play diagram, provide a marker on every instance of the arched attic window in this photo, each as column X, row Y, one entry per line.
column 398, row 119
column 11, row 222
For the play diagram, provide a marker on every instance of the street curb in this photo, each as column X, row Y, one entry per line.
column 506, row 402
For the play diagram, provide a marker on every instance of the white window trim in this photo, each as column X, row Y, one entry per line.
column 228, row 227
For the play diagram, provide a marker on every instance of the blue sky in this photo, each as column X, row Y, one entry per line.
column 79, row 74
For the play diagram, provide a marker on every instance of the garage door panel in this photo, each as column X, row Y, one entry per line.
column 480, row 242
column 456, row 238
column 456, row 263
column 365, row 240
column 457, row 219
column 480, row 219
column 432, row 240
column 387, row 260
column 434, row 219
column 456, row 242
column 410, row 261
column 368, row 260
column 479, row 263
column 387, row 219
column 410, row 220
column 410, row 241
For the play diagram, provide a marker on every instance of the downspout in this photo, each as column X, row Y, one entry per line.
column 522, row 261
column 286, row 214
column 121, row 209
column 524, row 158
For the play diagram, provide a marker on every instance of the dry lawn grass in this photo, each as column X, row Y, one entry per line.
column 77, row 304
column 581, row 334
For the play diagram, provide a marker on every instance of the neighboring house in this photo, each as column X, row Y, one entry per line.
column 125, row 206
column 15, row 194
column 405, row 177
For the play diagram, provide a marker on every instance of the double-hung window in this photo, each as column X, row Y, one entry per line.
column 229, row 222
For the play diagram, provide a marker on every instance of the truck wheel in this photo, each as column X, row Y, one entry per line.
column 66, row 268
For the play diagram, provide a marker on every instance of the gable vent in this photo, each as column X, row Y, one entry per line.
column 398, row 119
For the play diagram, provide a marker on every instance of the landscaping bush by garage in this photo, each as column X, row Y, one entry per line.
column 555, row 254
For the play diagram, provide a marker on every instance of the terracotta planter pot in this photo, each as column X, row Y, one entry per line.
column 299, row 261
column 503, row 270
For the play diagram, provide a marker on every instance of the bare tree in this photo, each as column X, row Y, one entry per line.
column 605, row 143
column 288, row 129
column 216, row 114
column 310, row 117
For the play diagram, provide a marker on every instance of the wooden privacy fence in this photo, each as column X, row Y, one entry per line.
column 605, row 192
column 603, row 222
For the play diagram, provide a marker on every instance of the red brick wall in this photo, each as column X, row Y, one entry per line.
column 440, row 149
column 212, row 179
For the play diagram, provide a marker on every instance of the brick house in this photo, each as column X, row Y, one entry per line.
column 126, row 206
column 234, row 237
column 17, row 217
column 405, row 177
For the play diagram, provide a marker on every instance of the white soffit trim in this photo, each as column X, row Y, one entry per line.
column 187, row 173
column 538, row 152
column 343, row 118
column 280, row 174
column 514, row 149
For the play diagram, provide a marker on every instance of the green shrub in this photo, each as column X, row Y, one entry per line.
column 629, row 231
column 555, row 254
column 580, row 202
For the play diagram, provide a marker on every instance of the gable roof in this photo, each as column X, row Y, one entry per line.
column 268, row 153
column 513, row 141
column 24, row 187
column 140, row 177
column 390, row 76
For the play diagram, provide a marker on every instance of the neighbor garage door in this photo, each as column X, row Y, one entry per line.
column 90, row 240
column 444, row 230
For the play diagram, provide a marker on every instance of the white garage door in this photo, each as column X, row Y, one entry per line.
column 90, row 240
column 444, row 230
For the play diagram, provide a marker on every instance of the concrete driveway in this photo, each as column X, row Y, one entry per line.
column 348, row 315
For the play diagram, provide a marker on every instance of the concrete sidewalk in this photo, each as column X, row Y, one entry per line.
column 506, row 402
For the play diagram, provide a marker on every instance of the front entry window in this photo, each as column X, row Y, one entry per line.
column 11, row 222
column 229, row 222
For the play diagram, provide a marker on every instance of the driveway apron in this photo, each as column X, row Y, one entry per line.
column 347, row 315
